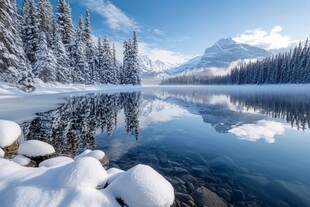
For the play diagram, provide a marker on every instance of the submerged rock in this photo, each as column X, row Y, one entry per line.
column 204, row 197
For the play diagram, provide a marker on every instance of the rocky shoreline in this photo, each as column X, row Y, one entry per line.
column 28, row 167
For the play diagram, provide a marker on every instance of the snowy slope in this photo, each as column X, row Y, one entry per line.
column 149, row 66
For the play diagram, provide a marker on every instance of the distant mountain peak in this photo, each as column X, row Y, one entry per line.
column 221, row 55
column 226, row 41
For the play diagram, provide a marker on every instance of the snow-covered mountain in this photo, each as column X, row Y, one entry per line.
column 149, row 66
column 224, row 52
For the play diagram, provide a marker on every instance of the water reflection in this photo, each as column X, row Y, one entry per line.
column 73, row 126
column 183, row 135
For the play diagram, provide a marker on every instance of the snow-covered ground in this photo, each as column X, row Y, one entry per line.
column 9, row 91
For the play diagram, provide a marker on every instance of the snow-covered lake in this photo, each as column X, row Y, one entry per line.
column 249, row 146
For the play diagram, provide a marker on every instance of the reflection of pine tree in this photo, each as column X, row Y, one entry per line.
column 131, row 110
column 294, row 109
column 72, row 126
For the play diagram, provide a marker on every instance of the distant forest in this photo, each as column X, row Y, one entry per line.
column 292, row 67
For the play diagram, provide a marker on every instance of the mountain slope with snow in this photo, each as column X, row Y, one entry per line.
column 224, row 52
column 149, row 66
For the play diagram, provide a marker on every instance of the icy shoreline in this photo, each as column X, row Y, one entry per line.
column 82, row 181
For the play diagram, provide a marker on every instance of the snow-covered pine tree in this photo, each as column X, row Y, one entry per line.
column 46, row 19
column 89, row 48
column 30, row 29
column 115, row 65
column 107, row 70
column 64, row 21
column 45, row 66
column 100, row 62
column 125, row 68
column 78, row 62
column 14, row 66
column 135, row 63
column 63, row 67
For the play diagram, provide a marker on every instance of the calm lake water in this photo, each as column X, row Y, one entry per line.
column 249, row 146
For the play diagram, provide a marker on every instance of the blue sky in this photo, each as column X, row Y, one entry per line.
column 174, row 30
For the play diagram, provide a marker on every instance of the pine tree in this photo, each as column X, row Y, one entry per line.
column 45, row 66
column 100, row 62
column 89, row 49
column 107, row 70
column 115, row 65
column 30, row 29
column 46, row 19
column 135, row 62
column 63, row 67
column 78, row 64
column 65, row 24
column 14, row 66
column 125, row 69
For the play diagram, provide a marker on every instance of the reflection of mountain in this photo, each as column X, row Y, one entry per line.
column 244, row 113
column 73, row 125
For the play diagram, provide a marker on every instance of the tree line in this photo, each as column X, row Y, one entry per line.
column 35, row 43
column 292, row 67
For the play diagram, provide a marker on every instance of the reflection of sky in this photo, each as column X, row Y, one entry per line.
column 263, row 129
column 154, row 111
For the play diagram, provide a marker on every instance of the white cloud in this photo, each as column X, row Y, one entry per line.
column 263, row 129
column 115, row 17
column 269, row 40
column 167, row 56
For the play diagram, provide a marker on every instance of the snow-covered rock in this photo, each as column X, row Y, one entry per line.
column 97, row 154
column 142, row 185
column 84, row 172
column 35, row 148
column 114, row 173
column 56, row 161
column 21, row 160
column 9, row 132
column 2, row 153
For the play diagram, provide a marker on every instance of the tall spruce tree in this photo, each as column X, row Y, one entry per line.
column 30, row 29
column 14, row 66
column 78, row 64
column 107, row 70
column 64, row 21
column 89, row 48
column 45, row 66
column 46, row 20
column 63, row 62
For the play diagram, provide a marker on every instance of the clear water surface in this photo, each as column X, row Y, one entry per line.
column 249, row 146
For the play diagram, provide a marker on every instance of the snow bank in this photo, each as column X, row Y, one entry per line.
column 85, row 172
column 9, row 133
column 97, row 154
column 2, row 153
column 114, row 173
column 34, row 148
column 142, row 185
column 56, row 161
column 22, row 160
column 25, row 186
